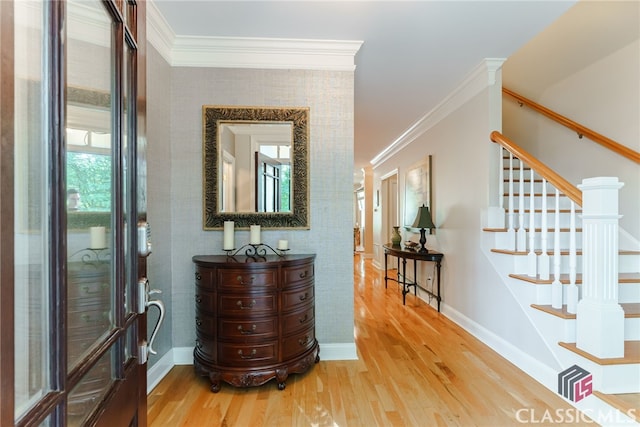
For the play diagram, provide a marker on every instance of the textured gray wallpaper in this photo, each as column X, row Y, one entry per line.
column 176, row 150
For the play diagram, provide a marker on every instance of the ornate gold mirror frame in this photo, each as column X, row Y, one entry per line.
column 212, row 117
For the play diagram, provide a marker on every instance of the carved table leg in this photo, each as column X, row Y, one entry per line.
column 281, row 377
column 214, row 377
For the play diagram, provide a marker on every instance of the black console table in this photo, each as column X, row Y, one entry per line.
column 405, row 254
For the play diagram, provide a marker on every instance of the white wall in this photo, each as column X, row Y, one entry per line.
column 604, row 97
column 175, row 200
column 473, row 293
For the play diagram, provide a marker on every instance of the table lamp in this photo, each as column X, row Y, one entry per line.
column 423, row 221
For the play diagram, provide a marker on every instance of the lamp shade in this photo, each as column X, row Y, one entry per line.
column 423, row 219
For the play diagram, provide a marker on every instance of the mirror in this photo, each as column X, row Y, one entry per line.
column 255, row 162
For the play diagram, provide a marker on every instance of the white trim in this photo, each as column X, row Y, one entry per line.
column 482, row 76
column 159, row 33
column 245, row 52
column 184, row 356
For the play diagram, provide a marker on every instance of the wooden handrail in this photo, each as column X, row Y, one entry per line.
column 540, row 168
column 577, row 127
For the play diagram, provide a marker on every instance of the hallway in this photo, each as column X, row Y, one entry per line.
column 415, row 368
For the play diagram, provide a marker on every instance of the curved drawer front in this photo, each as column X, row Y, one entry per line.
column 207, row 348
column 247, row 280
column 204, row 277
column 293, row 276
column 297, row 343
column 297, row 320
column 247, row 304
column 205, row 301
column 296, row 298
column 247, row 354
column 206, row 324
column 248, row 329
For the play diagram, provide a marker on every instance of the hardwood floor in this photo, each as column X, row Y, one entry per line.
column 415, row 368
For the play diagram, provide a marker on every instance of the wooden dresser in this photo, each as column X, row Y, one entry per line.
column 255, row 318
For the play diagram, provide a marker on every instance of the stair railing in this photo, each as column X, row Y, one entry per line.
column 576, row 127
column 539, row 265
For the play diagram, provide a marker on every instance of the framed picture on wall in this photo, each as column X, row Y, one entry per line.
column 417, row 190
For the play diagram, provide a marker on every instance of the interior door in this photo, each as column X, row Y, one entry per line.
column 76, row 153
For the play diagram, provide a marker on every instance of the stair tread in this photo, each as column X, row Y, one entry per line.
column 631, row 354
column 551, row 252
column 627, row 403
column 564, row 278
column 631, row 310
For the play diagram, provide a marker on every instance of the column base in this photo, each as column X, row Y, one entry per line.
column 600, row 328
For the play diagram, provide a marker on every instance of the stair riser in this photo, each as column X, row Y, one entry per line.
column 503, row 240
column 565, row 220
column 565, row 202
column 629, row 292
column 626, row 264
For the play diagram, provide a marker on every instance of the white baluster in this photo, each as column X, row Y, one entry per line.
column 511, row 234
column 531, row 256
column 501, row 181
column 522, row 232
column 572, row 290
column 543, row 265
column 556, row 285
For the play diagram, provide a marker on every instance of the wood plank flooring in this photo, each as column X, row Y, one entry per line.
column 415, row 368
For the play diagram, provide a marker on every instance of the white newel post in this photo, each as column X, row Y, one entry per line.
column 600, row 319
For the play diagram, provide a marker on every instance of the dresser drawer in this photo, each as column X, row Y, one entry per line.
column 204, row 277
column 206, row 347
column 248, row 329
column 296, row 298
column 206, row 324
column 247, row 280
column 295, row 321
column 247, row 304
column 247, row 354
column 293, row 276
column 205, row 301
column 297, row 343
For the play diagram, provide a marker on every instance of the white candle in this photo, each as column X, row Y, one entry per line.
column 228, row 243
column 98, row 237
column 255, row 235
column 283, row 244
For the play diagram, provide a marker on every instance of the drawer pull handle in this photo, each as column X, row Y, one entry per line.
column 248, row 356
column 304, row 319
column 242, row 282
column 304, row 274
column 246, row 307
column 304, row 341
column 304, row 297
column 198, row 299
column 198, row 276
column 198, row 322
column 247, row 331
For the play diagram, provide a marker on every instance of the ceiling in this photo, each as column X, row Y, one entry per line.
column 413, row 55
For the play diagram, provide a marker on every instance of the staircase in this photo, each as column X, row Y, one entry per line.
column 539, row 254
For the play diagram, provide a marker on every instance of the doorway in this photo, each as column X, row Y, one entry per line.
column 390, row 207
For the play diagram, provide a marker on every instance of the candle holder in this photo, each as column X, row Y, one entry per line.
column 253, row 250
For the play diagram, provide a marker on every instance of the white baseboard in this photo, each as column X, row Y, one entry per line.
column 593, row 407
column 184, row 356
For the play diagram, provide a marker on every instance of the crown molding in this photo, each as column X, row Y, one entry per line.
column 243, row 52
column 159, row 33
column 481, row 77
column 239, row 52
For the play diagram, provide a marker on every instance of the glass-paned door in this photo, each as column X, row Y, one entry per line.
column 73, row 119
